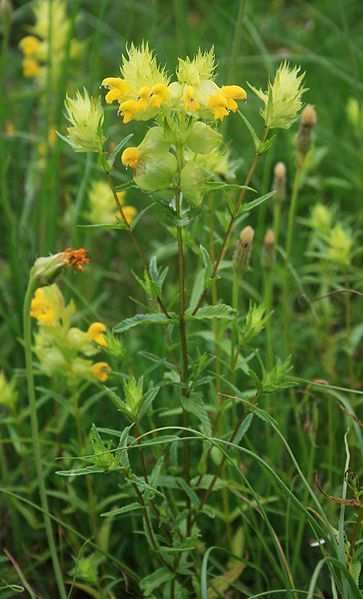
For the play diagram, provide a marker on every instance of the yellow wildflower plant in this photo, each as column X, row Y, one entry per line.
column 85, row 115
column 283, row 97
column 102, row 207
column 143, row 89
column 60, row 347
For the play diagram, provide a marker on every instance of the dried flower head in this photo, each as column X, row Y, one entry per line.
column 268, row 250
column 279, row 182
column 243, row 249
column 307, row 123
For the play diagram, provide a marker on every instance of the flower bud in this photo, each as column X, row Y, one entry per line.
column 52, row 361
column 279, row 182
column 202, row 139
column 85, row 116
column 307, row 123
column 243, row 249
column 8, row 394
column 134, row 396
column 268, row 251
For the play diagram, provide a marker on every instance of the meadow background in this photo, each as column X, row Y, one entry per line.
column 44, row 196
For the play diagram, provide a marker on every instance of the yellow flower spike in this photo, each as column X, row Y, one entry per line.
column 130, row 157
column 217, row 103
column 118, row 88
column 233, row 93
column 159, row 94
column 100, row 370
column 129, row 109
column 95, row 333
column 29, row 45
column 191, row 102
column 31, row 67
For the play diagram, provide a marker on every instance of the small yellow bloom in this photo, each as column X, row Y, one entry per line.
column 233, row 93
column 128, row 110
column 29, row 45
column 100, row 370
column 95, row 333
column 217, row 103
column 118, row 88
column 130, row 157
column 9, row 127
column 191, row 102
column 31, row 67
column 42, row 309
column 159, row 94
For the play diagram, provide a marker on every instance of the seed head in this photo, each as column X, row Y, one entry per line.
column 279, row 182
column 268, row 251
column 307, row 123
column 243, row 249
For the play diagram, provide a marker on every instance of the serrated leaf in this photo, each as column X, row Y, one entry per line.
column 217, row 311
column 208, row 264
column 195, row 405
column 154, row 580
column 251, row 205
column 130, row 507
column 140, row 319
column 256, row 140
column 198, row 288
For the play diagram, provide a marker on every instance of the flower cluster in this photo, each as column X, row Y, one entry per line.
column 333, row 243
column 85, row 116
column 61, row 348
column 102, row 208
column 144, row 88
column 44, row 50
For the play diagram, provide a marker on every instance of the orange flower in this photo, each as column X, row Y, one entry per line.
column 75, row 258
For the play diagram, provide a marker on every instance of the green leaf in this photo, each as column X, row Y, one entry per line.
column 140, row 319
column 256, row 140
column 266, row 145
column 198, row 288
column 81, row 471
column 130, row 507
column 208, row 264
column 218, row 311
column 104, row 226
column 195, row 405
column 140, row 215
column 111, row 158
column 251, row 205
column 154, row 580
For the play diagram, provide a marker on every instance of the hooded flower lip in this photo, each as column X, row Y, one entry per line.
column 42, row 308
column 233, row 93
column 217, row 103
column 131, row 157
column 191, row 102
column 96, row 333
column 118, row 88
column 100, row 370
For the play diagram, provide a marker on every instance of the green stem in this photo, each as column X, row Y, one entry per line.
column 35, row 437
column 134, row 239
column 289, row 237
column 234, row 335
column 268, row 290
column 233, row 218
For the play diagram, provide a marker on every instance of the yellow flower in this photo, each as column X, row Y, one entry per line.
column 42, row 309
column 159, row 94
column 191, row 102
column 31, row 67
column 130, row 157
column 233, row 93
column 29, row 45
column 95, row 333
column 100, row 370
column 117, row 88
column 218, row 105
column 129, row 110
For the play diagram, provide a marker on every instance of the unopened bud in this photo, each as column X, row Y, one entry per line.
column 242, row 252
column 268, row 251
column 307, row 123
column 279, row 182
